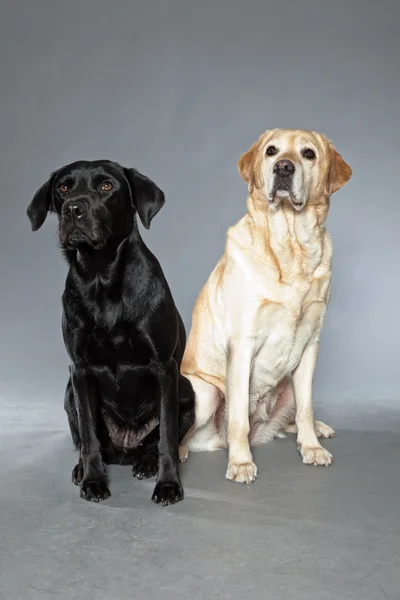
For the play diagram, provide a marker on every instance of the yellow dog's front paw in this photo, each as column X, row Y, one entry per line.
column 316, row 456
column 241, row 472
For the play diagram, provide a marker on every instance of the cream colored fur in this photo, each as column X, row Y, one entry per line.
column 253, row 346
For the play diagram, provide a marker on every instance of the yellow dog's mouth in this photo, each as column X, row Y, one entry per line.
column 282, row 192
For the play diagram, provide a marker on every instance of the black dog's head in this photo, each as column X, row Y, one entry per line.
column 95, row 201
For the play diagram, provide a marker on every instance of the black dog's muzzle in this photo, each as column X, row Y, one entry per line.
column 74, row 209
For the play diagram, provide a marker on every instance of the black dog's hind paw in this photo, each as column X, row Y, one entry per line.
column 168, row 492
column 77, row 474
column 95, row 491
column 145, row 466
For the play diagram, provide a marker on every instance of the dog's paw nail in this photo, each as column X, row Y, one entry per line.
column 146, row 466
column 183, row 454
column 77, row 474
column 167, row 493
column 317, row 456
column 241, row 472
column 95, row 491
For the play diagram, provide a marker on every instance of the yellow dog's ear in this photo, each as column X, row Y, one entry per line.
column 246, row 165
column 249, row 165
column 339, row 172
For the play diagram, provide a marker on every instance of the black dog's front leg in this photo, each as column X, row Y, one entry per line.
column 93, row 474
column 168, row 488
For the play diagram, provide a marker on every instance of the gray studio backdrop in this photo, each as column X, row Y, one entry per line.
column 179, row 90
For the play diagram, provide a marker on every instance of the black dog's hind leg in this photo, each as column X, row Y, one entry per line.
column 168, row 489
column 70, row 409
column 93, row 480
column 145, row 460
column 186, row 406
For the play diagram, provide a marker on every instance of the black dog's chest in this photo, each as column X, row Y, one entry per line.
column 122, row 346
column 113, row 338
column 103, row 345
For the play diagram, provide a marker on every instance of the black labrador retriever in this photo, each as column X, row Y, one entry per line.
column 126, row 400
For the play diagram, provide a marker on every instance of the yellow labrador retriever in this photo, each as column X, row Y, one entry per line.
column 253, row 346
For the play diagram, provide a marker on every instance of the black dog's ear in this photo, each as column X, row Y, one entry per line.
column 147, row 197
column 41, row 204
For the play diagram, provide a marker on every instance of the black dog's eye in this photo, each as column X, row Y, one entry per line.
column 63, row 188
column 271, row 151
column 106, row 186
column 309, row 154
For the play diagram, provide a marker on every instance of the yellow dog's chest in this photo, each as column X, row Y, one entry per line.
column 283, row 330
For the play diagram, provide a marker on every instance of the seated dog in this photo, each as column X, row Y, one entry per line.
column 125, row 399
column 253, row 345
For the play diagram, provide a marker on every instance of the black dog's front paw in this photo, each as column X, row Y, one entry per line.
column 94, row 491
column 167, row 492
column 77, row 474
column 146, row 466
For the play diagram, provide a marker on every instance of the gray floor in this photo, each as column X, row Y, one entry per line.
column 298, row 533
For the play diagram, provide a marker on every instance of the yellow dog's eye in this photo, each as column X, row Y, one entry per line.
column 106, row 186
column 271, row 151
column 309, row 154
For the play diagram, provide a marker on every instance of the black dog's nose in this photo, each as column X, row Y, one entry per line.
column 284, row 168
column 73, row 209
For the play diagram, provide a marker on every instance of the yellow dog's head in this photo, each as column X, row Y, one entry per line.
column 293, row 166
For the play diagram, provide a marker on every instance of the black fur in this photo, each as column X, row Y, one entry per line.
column 126, row 400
